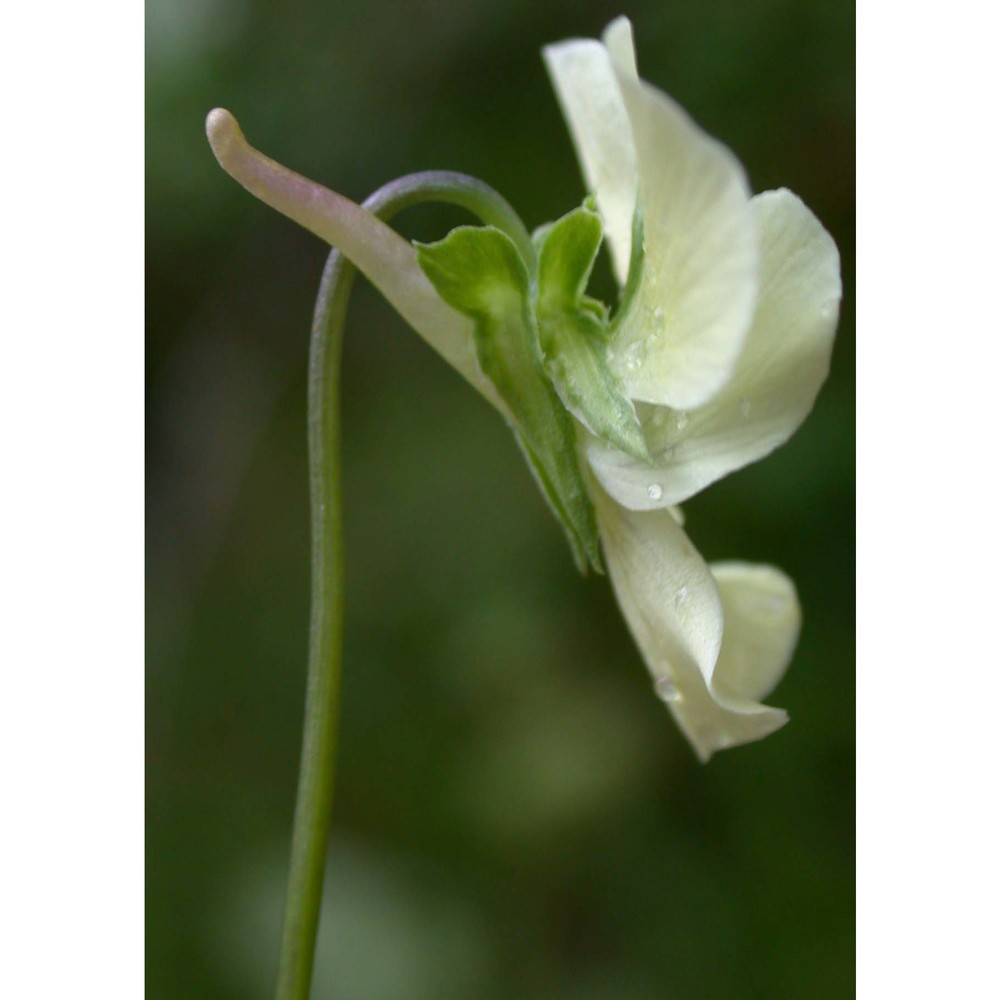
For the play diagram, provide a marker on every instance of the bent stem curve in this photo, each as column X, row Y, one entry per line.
column 314, row 801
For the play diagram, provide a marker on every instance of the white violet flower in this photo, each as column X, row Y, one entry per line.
column 712, row 359
column 723, row 345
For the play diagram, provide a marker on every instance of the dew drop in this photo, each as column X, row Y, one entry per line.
column 654, row 491
column 744, row 407
column 657, row 324
column 681, row 597
column 635, row 356
column 681, row 420
column 666, row 689
column 653, row 323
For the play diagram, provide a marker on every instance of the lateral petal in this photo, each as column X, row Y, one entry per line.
column 773, row 385
column 681, row 332
column 674, row 608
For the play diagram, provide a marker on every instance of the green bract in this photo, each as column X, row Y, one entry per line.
column 480, row 273
column 719, row 345
column 574, row 334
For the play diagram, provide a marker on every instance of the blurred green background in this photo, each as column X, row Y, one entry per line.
column 517, row 815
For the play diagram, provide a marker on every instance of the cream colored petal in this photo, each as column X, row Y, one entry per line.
column 762, row 622
column 620, row 42
column 682, row 332
column 673, row 606
column 587, row 88
column 384, row 257
column 775, row 381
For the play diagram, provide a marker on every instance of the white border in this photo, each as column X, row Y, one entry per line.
column 71, row 534
column 929, row 398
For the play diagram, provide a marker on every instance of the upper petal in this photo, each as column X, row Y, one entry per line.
column 619, row 40
column 773, row 385
column 586, row 85
column 681, row 333
column 704, row 668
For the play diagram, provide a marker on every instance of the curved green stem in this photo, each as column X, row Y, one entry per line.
column 314, row 801
column 455, row 189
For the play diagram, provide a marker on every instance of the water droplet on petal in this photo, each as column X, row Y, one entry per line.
column 657, row 324
column 654, row 324
column 681, row 420
column 635, row 356
column 666, row 689
column 682, row 596
column 744, row 407
column 654, row 491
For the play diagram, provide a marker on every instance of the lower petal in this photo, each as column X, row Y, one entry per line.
column 762, row 616
column 677, row 613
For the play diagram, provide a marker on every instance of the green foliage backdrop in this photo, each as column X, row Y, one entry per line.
column 517, row 815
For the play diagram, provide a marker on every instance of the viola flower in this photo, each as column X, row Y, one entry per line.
column 712, row 358
column 723, row 339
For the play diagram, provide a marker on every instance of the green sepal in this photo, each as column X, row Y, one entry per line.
column 540, row 235
column 479, row 272
column 573, row 332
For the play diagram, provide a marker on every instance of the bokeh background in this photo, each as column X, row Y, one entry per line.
column 517, row 815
